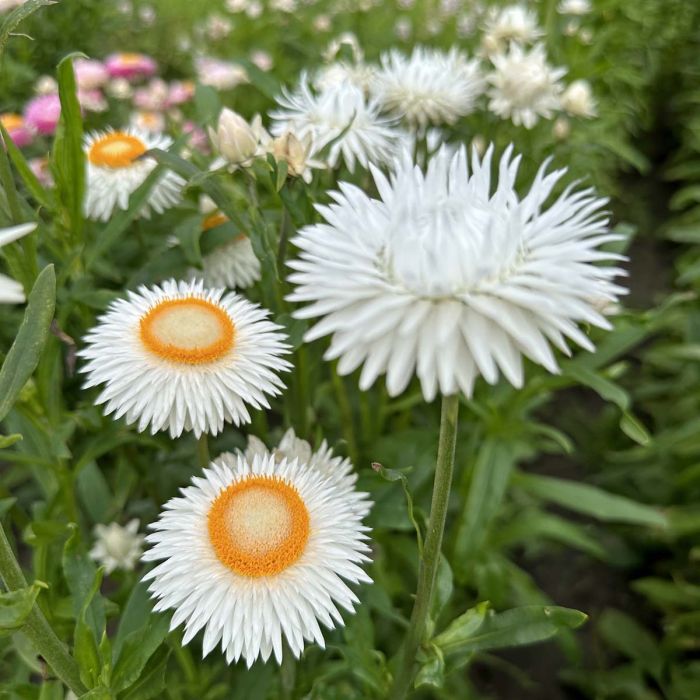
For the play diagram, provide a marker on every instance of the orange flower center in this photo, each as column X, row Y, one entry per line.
column 116, row 150
column 191, row 331
column 130, row 59
column 258, row 526
column 11, row 121
column 214, row 220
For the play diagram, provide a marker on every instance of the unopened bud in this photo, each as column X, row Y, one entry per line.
column 234, row 138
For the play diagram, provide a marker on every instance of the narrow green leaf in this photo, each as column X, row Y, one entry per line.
column 603, row 387
column 152, row 681
column 432, row 670
column 23, row 357
column 18, row 15
column 31, row 182
column 633, row 428
column 134, row 617
column 15, row 607
column 395, row 475
column 8, row 440
column 490, row 477
column 67, row 157
column 85, row 643
column 516, row 627
column 591, row 501
column 464, row 627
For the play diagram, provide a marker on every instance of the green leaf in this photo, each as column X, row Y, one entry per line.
column 207, row 104
column 31, row 182
column 15, row 607
column 591, row 501
column 152, row 680
column 432, row 670
column 19, row 14
column 627, row 636
column 516, row 627
column 395, row 475
column 8, row 440
column 23, row 357
column 85, row 645
column 603, row 387
column 68, row 157
column 443, row 588
column 134, row 617
column 463, row 628
column 137, row 649
column 489, row 479
column 83, row 581
column 633, row 428
column 94, row 492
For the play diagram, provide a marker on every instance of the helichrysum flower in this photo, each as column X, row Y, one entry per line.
column 180, row 357
column 338, row 469
column 223, row 75
column 257, row 551
column 11, row 291
column 446, row 278
column 511, row 23
column 578, row 100
column 117, row 546
column 90, row 74
column 116, row 169
column 231, row 264
column 130, row 66
column 429, row 86
column 524, row 87
column 17, row 129
column 574, row 7
column 41, row 114
column 340, row 118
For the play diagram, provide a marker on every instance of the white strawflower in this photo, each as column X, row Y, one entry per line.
column 446, row 278
column 429, row 86
column 231, row 264
column 117, row 546
column 11, row 291
column 182, row 357
column 339, row 469
column 254, row 552
column 578, row 100
column 512, row 23
column 340, row 118
column 116, row 168
column 524, row 86
column 574, row 7
column 339, row 72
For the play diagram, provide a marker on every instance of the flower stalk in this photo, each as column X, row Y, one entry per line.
column 430, row 558
column 36, row 626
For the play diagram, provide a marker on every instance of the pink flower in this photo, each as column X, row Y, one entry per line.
column 16, row 127
column 90, row 74
column 152, row 97
column 130, row 65
column 42, row 113
column 197, row 136
column 92, row 100
column 223, row 75
column 180, row 91
column 40, row 168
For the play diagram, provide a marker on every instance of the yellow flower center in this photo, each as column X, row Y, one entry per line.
column 116, row 150
column 258, row 526
column 214, row 220
column 11, row 121
column 190, row 331
column 130, row 59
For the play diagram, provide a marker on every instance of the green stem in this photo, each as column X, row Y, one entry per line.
column 203, row 450
column 431, row 549
column 36, row 626
column 346, row 416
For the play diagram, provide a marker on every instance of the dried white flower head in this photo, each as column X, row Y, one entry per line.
column 524, row 87
column 340, row 118
column 445, row 278
column 117, row 546
column 511, row 23
column 257, row 551
column 429, row 86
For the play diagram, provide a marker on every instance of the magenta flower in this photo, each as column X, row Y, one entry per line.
column 17, row 128
column 130, row 65
column 42, row 113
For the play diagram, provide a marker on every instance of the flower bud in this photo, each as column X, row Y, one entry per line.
column 289, row 148
column 577, row 99
column 234, row 138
